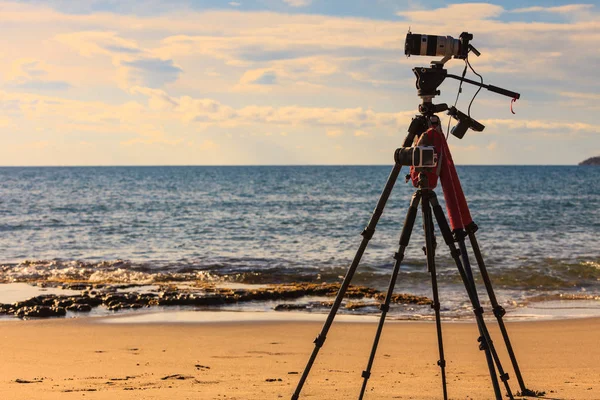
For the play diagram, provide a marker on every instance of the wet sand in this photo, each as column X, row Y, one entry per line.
column 85, row 359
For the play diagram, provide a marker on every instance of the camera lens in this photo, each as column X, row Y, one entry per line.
column 431, row 45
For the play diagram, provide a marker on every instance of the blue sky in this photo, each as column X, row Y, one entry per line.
column 372, row 9
column 285, row 81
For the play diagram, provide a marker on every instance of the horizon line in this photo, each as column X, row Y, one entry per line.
column 268, row 165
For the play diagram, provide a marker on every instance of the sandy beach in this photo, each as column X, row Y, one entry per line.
column 86, row 358
column 188, row 188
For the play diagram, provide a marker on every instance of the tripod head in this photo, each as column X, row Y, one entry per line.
column 429, row 78
column 428, row 81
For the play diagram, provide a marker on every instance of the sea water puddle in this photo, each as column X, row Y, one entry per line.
column 13, row 292
column 138, row 289
column 21, row 291
column 550, row 310
column 230, row 316
column 557, row 309
column 237, row 285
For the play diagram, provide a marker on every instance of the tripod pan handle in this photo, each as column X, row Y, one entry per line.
column 504, row 92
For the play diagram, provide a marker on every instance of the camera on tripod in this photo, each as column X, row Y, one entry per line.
column 464, row 122
column 432, row 45
column 417, row 156
column 429, row 78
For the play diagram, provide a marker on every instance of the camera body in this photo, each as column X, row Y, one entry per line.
column 416, row 156
column 464, row 122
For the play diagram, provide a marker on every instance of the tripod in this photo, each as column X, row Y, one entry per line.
column 427, row 81
column 430, row 206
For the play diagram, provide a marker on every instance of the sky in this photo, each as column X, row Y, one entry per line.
column 277, row 82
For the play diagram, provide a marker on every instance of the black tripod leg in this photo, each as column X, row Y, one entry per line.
column 399, row 256
column 498, row 309
column 430, row 252
column 485, row 340
column 367, row 235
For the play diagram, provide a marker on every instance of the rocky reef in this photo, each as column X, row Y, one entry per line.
column 113, row 298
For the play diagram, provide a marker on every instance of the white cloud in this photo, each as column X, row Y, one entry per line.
column 263, row 76
column 542, row 125
column 146, row 122
column 26, row 68
column 457, row 148
column 334, row 132
column 33, row 74
column 466, row 12
column 208, row 145
column 298, row 48
column 91, row 43
column 5, row 122
column 559, row 9
column 159, row 79
column 157, row 99
column 157, row 139
column 135, row 66
column 38, row 145
column 583, row 96
column 298, row 3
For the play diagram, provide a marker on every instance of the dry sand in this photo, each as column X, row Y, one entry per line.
column 84, row 359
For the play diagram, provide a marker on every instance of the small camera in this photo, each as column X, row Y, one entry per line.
column 464, row 122
column 416, row 156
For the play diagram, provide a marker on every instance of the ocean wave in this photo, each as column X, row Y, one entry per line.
column 543, row 275
column 562, row 297
column 116, row 271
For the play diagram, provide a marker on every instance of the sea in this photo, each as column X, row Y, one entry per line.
column 249, row 226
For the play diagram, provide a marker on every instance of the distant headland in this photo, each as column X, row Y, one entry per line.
column 591, row 161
